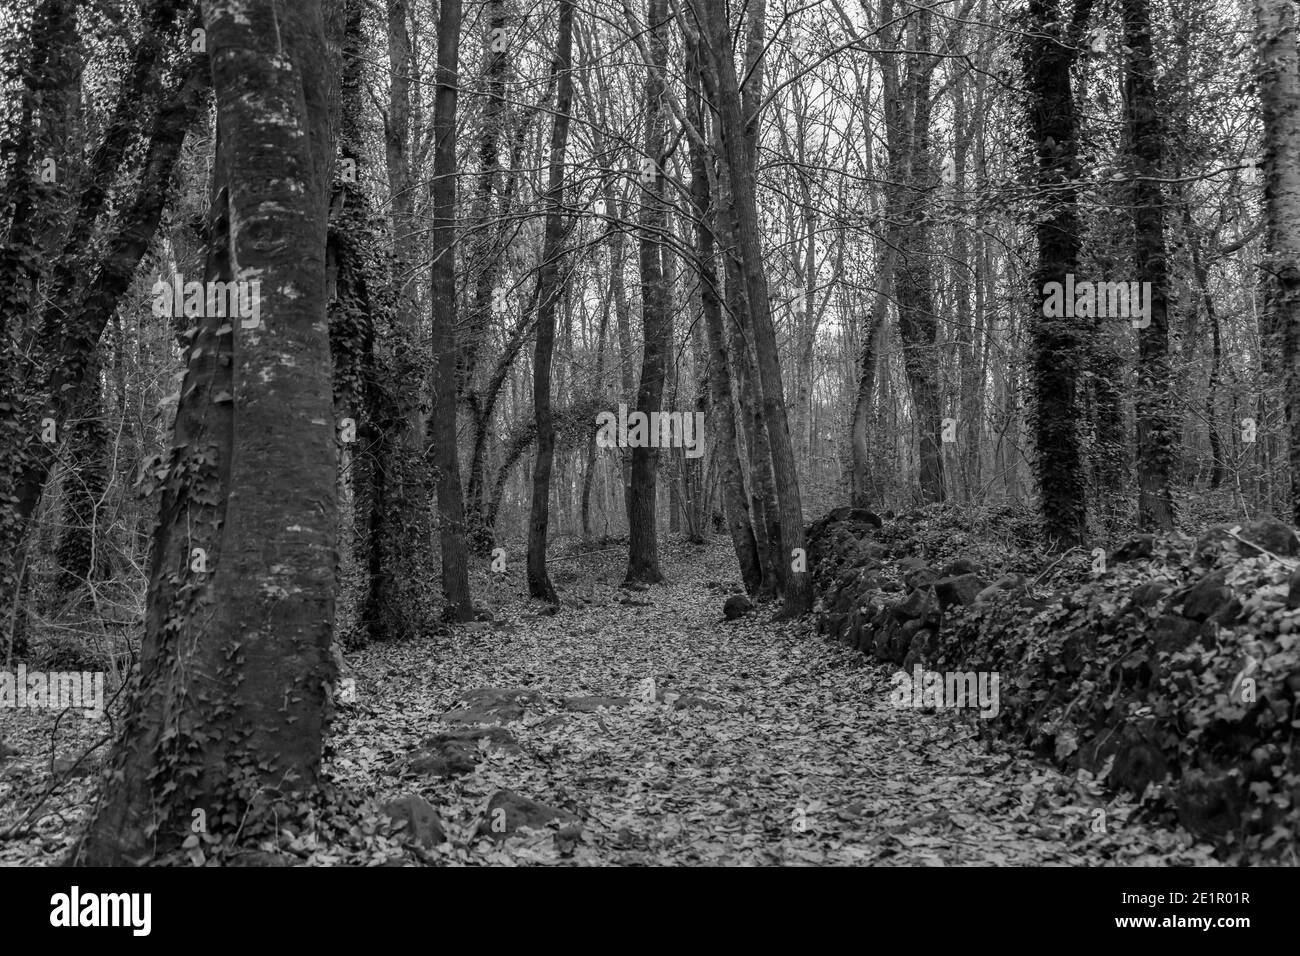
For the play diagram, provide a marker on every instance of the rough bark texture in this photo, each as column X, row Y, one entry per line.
column 643, row 543
column 550, row 289
column 1279, row 86
column 451, row 503
column 231, row 692
column 1154, row 399
column 796, row 585
column 731, row 477
column 1049, row 53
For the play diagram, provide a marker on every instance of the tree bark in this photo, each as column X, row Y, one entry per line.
column 550, row 289
column 232, row 688
column 1279, row 86
column 442, row 295
column 643, row 543
column 796, row 581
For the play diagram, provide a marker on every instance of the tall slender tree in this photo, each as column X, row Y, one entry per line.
column 550, row 290
column 442, row 296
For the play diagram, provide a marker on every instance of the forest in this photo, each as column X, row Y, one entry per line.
column 649, row 432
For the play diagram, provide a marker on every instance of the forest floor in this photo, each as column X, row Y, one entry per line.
column 765, row 744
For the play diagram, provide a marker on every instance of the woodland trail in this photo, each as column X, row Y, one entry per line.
column 783, row 747
column 765, row 744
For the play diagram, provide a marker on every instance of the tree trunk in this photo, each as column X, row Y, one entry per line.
column 796, row 581
column 1154, row 400
column 550, row 289
column 643, row 533
column 1049, row 53
column 734, row 504
column 1279, row 86
column 230, row 697
column 442, row 295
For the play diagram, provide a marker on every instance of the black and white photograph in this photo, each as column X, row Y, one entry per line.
column 827, row 434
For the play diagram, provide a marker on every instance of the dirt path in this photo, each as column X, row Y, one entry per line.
column 781, row 748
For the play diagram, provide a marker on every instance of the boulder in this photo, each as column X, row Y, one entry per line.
column 1266, row 532
column 959, row 589
column 916, row 573
column 1209, row 804
column 1172, row 633
column 959, row 567
column 507, row 811
column 1137, row 547
column 1011, row 583
column 417, row 817
column 919, row 605
column 492, row 705
column 736, row 606
column 459, row 751
column 1148, row 594
column 1207, row 596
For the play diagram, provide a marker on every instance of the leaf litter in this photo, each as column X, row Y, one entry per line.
column 762, row 744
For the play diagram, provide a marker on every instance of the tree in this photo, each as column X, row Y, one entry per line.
column 451, row 502
column 643, row 538
column 1050, row 50
column 796, row 583
column 550, row 289
column 230, row 693
column 1155, row 420
column 1279, row 86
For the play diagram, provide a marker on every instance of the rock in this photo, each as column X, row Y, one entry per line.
column 921, row 646
column 961, row 589
column 507, row 811
column 1138, row 761
column 919, row 605
column 916, row 573
column 492, row 705
column 871, row 551
column 837, row 515
column 1206, row 597
column 459, row 751
column 589, row 705
column 417, row 816
column 1172, row 633
column 1149, row 594
column 866, row 517
column 260, row 858
column 1209, row 804
column 448, row 763
column 567, row 840
column 1266, row 532
column 1008, row 582
column 1136, row 547
column 736, row 606
column 958, row 567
